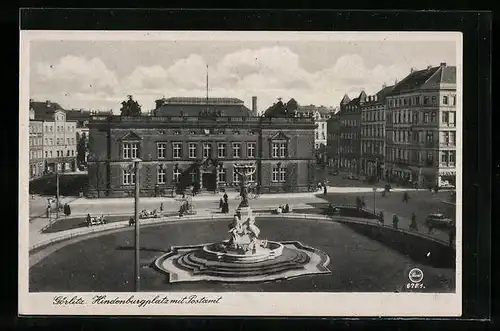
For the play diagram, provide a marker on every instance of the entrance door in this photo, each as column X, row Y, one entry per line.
column 209, row 181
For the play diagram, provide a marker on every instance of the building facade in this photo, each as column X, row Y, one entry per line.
column 333, row 141
column 58, row 136
column 350, row 133
column 199, row 149
column 373, row 134
column 36, row 160
column 421, row 127
column 321, row 116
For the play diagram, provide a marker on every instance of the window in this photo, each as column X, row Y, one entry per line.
column 207, row 150
column 72, row 153
column 453, row 140
column 275, row 174
column 177, row 175
column 433, row 117
column 451, row 157
column 451, row 121
column 128, row 177
column 221, row 175
column 279, row 174
column 434, row 100
column 68, row 141
column 160, row 150
column 251, row 150
column 221, row 150
column 192, row 174
column 282, row 149
column 236, row 177
column 445, row 100
column 160, row 176
column 251, row 178
column 446, row 138
column 426, row 117
column 317, row 135
column 429, row 137
column 236, row 150
column 426, row 100
column 445, row 117
column 430, row 158
column 50, row 153
column 275, row 149
column 46, row 154
column 192, row 150
column 130, row 150
column 67, row 152
column 454, row 100
column 444, row 157
column 176, row 150
column 57, row 153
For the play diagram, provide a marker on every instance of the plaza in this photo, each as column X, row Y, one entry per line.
column 103, row 259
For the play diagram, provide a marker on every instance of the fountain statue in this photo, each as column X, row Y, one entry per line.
column 243, row 256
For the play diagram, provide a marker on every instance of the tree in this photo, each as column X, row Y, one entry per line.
column 130, row 107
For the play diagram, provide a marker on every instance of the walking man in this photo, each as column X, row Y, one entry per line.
column 161, row 207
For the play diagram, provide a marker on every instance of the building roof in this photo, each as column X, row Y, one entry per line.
column 84, row 115
column 197, row 110
column 432, row 75
column 202, row 101
column 196, row 106
column 345, row 100
column 313, row 108
column 44, row 110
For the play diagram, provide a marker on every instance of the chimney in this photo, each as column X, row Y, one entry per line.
column 411, row 70
column 443, row 64
column 254, row 105
column 47, row 102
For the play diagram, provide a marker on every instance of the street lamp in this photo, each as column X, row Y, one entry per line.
column 374, row 197
column 137, row 276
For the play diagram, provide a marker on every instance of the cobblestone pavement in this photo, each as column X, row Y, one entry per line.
column 420, row 202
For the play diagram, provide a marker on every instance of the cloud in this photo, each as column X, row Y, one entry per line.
column 74, row 74
column 268, row 73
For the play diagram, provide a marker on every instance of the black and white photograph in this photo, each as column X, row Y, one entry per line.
column 240, row 173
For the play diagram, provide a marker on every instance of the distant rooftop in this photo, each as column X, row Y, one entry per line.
column 44, row 110
column 196, row 106
column 442, row 74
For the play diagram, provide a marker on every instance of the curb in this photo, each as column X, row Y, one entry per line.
column 124, row 224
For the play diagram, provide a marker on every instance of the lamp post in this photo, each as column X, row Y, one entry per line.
column 374, row 198
column 137, row 276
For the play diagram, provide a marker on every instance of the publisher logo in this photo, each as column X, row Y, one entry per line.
column 416, row 275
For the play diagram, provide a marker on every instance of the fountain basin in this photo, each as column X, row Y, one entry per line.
column 215, row 251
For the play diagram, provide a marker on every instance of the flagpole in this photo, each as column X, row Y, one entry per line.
column 207, row 85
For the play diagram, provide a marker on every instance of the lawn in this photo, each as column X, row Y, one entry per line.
column 68, row 223
column 358, row 263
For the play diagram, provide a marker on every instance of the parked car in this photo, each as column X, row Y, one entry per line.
column 446, row 185
column 438, row 221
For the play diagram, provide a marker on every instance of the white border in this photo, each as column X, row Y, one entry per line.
column 234, row 303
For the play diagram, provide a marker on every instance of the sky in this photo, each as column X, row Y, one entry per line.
column 99, row 74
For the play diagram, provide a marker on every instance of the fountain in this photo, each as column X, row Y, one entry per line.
column 244, row 256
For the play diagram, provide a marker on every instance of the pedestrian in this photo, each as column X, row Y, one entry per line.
column 413, row 223
column 161, row 207
column 48, row 211
column 225, row 197
column 221, row 204
column 363, row 203
column 405, row 197
column 325, row 190
column 67, row 210
column 226, row 207
column 381, row 218
column 395, row 221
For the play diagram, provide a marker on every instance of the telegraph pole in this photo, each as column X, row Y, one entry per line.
column 136, row 215
column 57, row 191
